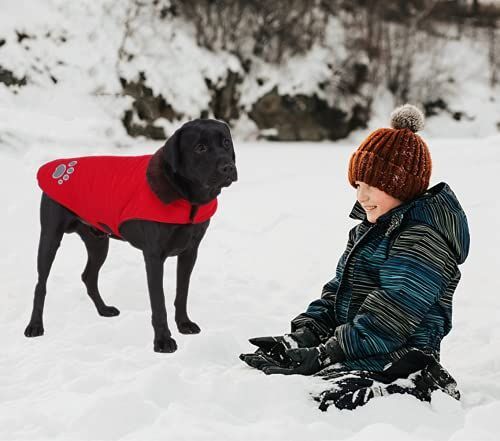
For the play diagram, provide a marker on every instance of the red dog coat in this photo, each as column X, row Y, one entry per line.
column 106, row 191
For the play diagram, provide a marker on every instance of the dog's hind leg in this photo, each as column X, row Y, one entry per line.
column 53, row 220
column 97, row 249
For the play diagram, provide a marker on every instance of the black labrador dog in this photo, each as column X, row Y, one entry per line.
column 196, row 162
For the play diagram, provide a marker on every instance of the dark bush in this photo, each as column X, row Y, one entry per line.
column 266, row 29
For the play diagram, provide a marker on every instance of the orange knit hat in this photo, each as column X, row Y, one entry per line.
column 396, row 160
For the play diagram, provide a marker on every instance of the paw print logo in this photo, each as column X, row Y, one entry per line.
column 63, row 172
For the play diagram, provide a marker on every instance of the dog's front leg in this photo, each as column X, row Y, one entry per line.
column 163, row 341
column 185, row 264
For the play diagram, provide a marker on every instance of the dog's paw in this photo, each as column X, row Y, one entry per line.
column 109, row 311
column 33, row 330
column 167, row 344
column 188, row 327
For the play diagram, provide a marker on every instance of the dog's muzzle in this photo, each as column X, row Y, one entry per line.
column 228, row 172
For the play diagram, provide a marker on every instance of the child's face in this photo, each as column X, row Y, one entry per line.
column 370, row 197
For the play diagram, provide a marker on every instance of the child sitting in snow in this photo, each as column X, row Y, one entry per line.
column 384, row 314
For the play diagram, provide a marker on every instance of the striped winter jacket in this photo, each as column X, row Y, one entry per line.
column 394, row 283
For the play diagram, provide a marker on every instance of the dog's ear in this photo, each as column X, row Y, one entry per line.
column 172, row 150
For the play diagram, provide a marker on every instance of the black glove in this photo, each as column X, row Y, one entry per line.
column 259, row 360
column 276, row 347
column 303, row 361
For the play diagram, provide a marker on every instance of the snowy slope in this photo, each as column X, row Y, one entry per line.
column 274, row 242
column 68, row 51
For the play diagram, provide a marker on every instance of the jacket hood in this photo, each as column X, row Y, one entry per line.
column 439, row 208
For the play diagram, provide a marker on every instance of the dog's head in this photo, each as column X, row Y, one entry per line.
column 199, row 160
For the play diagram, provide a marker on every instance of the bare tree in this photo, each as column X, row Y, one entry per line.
column 261, row 28
column 494, row 53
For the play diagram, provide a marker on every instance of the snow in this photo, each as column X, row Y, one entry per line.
column 275, row 240
column 77, row 43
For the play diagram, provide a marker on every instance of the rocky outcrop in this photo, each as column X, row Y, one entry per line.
column 146, row 109
column 305, row 118
column 312, row 117
column 9, row 79
column 225, row 102
column 437, row 106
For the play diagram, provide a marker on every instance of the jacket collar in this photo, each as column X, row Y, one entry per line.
column 439, row 208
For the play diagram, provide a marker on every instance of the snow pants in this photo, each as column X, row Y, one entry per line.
column 417, row 374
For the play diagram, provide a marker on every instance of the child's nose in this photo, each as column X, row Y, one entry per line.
column 362, row 196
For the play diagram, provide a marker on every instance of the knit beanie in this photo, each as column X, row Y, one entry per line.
column 395, row 160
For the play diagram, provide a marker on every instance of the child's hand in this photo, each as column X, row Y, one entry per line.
column 304, row 361
column 276, row 347
column 270, row 350
column 259, row 360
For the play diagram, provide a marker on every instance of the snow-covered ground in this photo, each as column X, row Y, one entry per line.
column 274, row 242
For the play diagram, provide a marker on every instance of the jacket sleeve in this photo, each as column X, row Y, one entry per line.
column 420, row 264
column 320, row 314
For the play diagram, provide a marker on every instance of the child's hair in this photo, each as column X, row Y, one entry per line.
column 395, row 160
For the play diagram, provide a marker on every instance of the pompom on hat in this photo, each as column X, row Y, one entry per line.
column 395, row 160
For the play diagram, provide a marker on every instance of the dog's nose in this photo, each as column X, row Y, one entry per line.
column 228, row 169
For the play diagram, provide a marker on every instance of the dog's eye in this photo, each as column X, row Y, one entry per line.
column 226, row 143
column 201, row 148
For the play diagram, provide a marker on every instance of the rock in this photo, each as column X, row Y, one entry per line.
column 305, row 118
column 9, row 79
column 225, row 97
column 146, row 109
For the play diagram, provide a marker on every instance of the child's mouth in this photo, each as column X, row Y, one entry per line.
column 370, row 208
